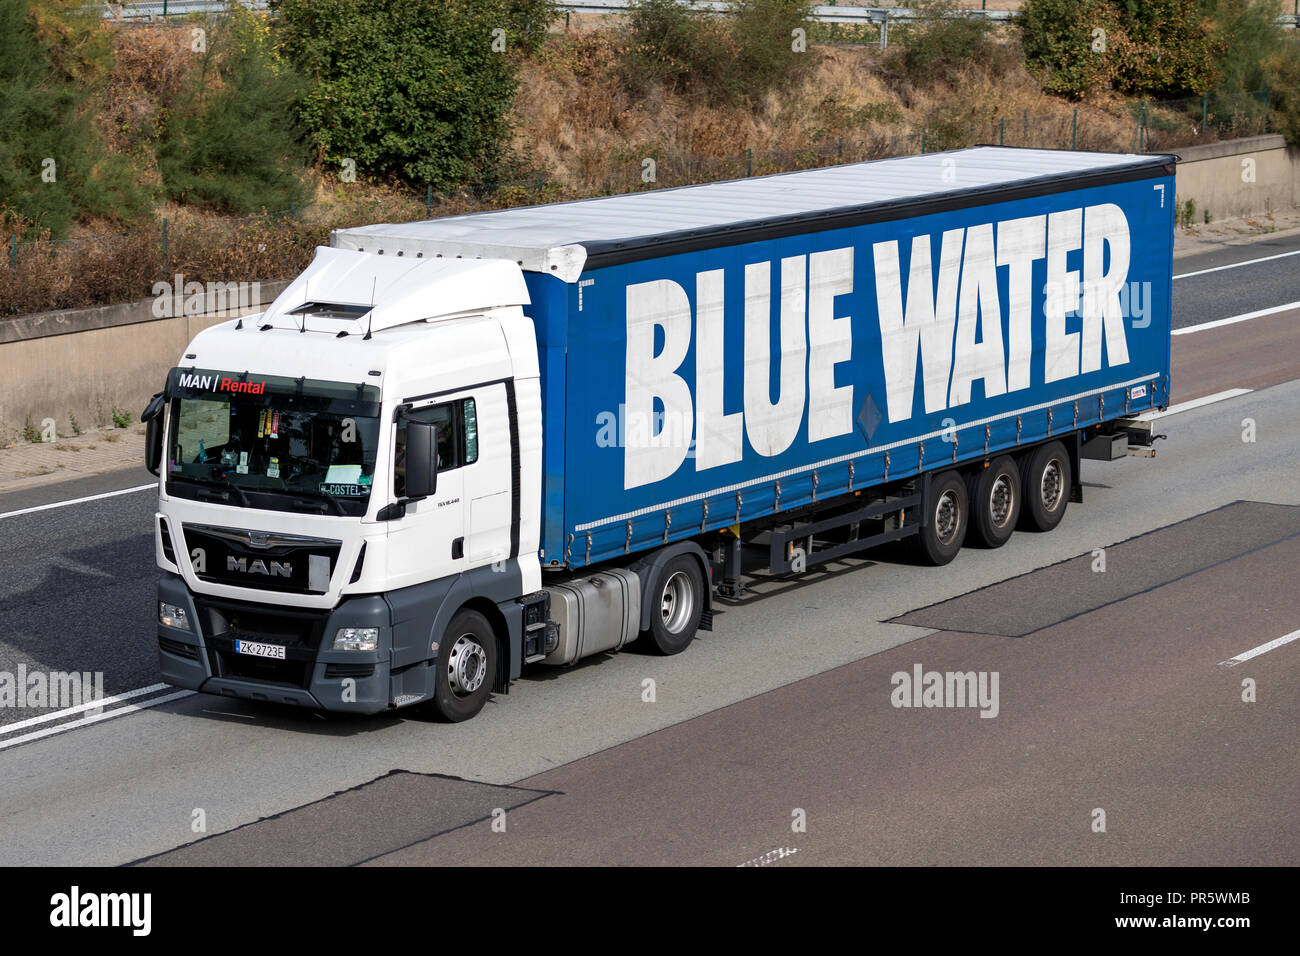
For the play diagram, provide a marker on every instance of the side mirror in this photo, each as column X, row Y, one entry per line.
column 421, row 459
column 152, row 416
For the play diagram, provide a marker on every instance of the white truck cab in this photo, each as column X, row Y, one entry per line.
column 289, row 473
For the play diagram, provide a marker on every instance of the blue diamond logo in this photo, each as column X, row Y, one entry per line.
column 869, row 417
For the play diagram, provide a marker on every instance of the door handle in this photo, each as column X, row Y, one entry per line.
column 458, row 548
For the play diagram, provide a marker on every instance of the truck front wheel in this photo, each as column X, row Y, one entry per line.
column 1046, row 480
column 940, row 538
column 679, row 601
column 466, row 666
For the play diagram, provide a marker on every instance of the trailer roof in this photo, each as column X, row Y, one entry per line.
column 564, row 238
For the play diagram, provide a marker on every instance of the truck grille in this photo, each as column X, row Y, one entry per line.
column 298, row 632
column 262, row 560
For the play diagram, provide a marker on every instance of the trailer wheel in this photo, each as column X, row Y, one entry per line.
column 995, row 502
column 940, row 538
column 466, row 667
column 1046, row 479
column 678, row 594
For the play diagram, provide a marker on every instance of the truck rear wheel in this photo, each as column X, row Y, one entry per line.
column 466, row 667
column 995, row 502
column 1046, row 480
column 941, row 537
column 679, row 602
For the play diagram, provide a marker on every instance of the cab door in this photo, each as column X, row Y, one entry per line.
column 489, row 476
column 428, row 541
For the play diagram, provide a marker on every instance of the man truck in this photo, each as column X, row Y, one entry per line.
column 453, row 448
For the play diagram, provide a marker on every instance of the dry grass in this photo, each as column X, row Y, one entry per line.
column 575, row 115
column 575, row 119
column 150, row 65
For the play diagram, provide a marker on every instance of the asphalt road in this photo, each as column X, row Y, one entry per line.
column 1121, row 706
column 1240, row 288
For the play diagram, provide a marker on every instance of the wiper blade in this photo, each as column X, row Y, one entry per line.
column 225, row 486
column 314, row 496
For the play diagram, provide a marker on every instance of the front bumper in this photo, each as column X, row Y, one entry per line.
column 311, row 675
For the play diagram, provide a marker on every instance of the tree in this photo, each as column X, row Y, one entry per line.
column 1150, row 47
column 419, row 89
column 233, row 142
column 54, row 165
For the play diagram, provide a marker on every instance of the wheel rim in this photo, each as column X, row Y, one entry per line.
column 677, row 602
column 947, row 517
column 467, row 665
column 1002, row 501
column 1051, row 485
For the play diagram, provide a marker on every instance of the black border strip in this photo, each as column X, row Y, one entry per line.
column 612, row 252
column 515, row 489
column 446, row 391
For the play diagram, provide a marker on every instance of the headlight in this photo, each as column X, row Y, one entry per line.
column 173, row 616
column 356, row 639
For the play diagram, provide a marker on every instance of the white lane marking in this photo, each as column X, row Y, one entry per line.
column 771, row 856
column 1230, row 320
column 118, row 712
column 1194, row 403
column 1262, row 649
column 89, row 705
column 77, row 501
column 1238, row 265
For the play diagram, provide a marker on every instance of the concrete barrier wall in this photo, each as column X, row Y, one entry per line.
column 85, row 362
column 1240, row 177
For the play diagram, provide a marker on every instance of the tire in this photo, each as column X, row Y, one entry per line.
column 1046, row 480
column 678, row 596
column 995, row 503
column 941, row 537
column 466, row 667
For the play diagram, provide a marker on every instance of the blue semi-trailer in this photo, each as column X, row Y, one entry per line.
column 452, row 448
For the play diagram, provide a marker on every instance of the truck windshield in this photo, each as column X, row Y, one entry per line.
column 277, row 443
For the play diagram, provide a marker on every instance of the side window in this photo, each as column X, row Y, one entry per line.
column 457, row 438
column 470, row 418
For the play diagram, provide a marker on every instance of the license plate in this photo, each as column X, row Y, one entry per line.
column 255, row 649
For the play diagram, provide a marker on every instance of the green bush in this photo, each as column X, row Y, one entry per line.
column 763, row 33
column 1259, row 57
column 54, row 167
column 410, row 88
column 1283, row 77
column 1175, row 48
column 1248, row 35
column 1062, row 48
column 669, row 45
column 527, row 23
column 944, row 43
column 737, row 58
column 1150, row 47
column 232, row 142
